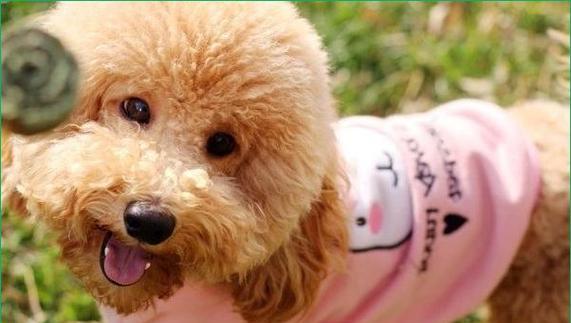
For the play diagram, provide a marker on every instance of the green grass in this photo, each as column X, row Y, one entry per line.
column 385, row 57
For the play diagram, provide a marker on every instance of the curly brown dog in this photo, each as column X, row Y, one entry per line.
column 200, row 153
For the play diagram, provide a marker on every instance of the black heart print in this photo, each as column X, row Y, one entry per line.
column 453, row 222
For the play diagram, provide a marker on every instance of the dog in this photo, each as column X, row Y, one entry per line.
column 203, row 175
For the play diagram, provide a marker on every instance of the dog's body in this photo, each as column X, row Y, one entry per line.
column 439, row 204
column 212, row 122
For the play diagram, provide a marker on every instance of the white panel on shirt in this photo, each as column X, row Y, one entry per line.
column 379, row 197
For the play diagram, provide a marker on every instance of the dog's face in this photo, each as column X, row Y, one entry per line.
column 200, row 149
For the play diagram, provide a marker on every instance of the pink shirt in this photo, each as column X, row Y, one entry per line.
column 439, row 204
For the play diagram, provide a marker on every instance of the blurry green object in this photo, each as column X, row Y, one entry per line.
column 39, row 80
column 36, row 286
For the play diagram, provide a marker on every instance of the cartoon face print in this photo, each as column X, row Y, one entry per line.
column 379, row 197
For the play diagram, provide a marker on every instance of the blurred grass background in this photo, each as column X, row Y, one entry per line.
column 385, row 57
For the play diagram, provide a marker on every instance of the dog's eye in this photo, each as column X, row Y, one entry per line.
column 220, row 144
column 137, row 110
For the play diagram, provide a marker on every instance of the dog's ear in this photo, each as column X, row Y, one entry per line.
column 11, row 199
column 289, row 282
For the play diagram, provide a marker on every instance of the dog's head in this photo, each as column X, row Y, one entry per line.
column 200, row 148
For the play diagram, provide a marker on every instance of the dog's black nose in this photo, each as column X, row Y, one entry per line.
column 148, row 223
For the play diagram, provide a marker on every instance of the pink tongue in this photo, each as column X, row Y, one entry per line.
column 124, row 265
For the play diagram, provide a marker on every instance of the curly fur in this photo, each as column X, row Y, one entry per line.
column 254, row 70
column 536, row 287
column 265, row 222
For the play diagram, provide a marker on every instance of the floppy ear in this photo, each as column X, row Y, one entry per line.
column 11, row 199
column 288, row 283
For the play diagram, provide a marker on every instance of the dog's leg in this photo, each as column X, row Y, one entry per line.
column 536, row 288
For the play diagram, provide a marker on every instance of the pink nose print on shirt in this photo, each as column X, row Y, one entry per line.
column 375, row 218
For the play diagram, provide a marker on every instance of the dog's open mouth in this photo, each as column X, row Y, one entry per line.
column 121, row 264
